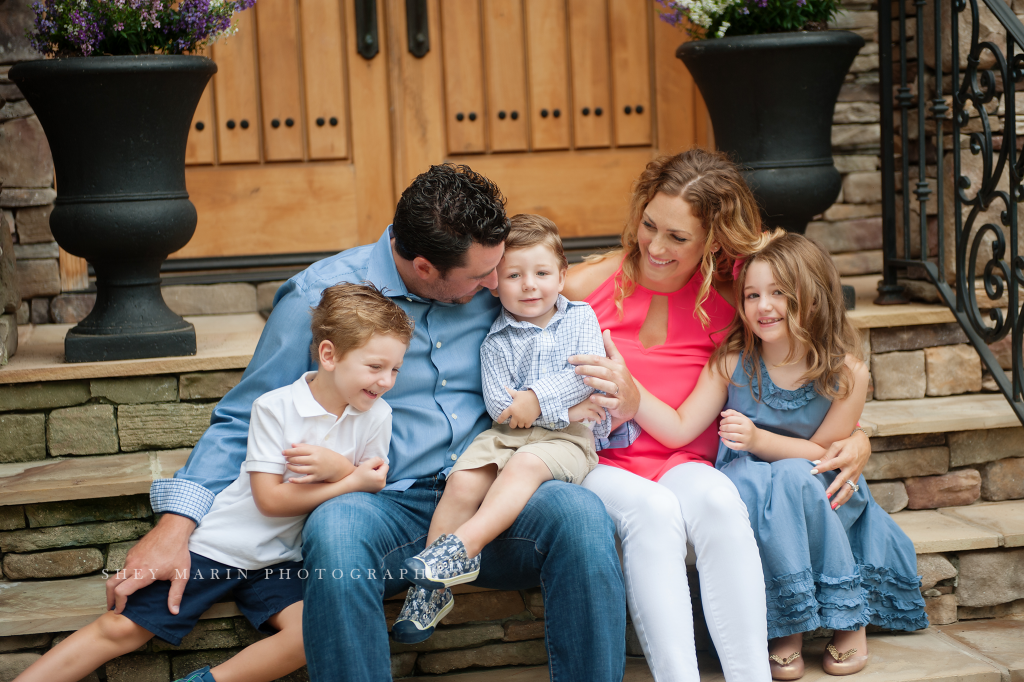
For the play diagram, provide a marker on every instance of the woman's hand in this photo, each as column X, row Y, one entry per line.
column 317, row 464
column 737, row 431
column 849, row 456
column 610, row 374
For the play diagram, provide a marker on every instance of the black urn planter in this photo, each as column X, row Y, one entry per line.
column 771, row 99
column 117, row 128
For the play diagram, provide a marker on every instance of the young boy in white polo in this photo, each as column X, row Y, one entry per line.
column 334, row 430
column 529, row 388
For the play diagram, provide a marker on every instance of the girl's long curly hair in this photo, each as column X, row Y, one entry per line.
column 815, row 316
column 718, row 197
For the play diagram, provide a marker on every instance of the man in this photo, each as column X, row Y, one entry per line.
column 436, row 262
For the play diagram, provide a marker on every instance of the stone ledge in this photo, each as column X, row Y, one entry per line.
column 63, row 605
column 1005, row 518
column 932, row 531
column 916, row 657
column 78, row 478
column 224, row 342
column 968, row 412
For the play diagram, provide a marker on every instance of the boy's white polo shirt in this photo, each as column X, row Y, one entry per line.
column 234, row 532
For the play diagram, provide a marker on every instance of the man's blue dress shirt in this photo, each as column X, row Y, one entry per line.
column 437, row 402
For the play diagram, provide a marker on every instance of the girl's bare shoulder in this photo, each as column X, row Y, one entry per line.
column 584, row 278
column 857, row 367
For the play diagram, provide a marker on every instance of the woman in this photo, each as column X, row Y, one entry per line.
column 663, row 297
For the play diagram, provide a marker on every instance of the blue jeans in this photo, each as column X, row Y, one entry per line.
column 563, row 541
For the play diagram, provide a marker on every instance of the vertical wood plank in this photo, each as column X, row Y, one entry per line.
column 74, row 272
column 277, row 28
column 416, row 96
column 505, row 47
column 234, row 91
column 631, row 72
column 463, row 76
column 675, row 90
column 588, row 46
column 371, row 129
column 547, row 50
column 202, row 135
column 323, row 63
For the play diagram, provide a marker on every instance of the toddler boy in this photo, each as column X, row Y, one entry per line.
column 529, row 388
column 247, row 548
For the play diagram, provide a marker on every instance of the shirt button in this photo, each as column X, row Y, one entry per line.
column 438, row 344
column 408, row 299
column 454, row 457
column 455, row 416
column 444, row 382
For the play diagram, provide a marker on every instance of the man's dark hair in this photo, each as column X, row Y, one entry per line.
column 444, row 211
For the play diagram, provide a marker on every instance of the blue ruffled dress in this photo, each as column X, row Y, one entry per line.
column 836, row 569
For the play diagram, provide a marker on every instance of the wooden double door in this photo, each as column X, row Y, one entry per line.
column 303, row 144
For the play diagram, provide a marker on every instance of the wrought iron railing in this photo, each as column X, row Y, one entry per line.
column 942, row 119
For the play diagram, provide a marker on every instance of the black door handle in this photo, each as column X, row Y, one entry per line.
column 417, row 27
column 366, row 28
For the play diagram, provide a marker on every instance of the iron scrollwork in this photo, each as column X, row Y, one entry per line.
column 979, row 96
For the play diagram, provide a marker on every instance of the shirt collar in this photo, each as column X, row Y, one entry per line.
column 505, row 318
column 306, row 405
column 382, row 271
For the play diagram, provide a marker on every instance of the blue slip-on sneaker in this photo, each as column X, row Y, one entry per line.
column 422, row 611
column 443, row 564
column 201, row 675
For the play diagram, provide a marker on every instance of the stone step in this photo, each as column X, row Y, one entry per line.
column 63, row 605
column 35, row 606
column 931, row 655
column 978, row 526
column 78, row 478
column 969, row 412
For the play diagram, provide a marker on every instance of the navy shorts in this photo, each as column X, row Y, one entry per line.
column 258, row 593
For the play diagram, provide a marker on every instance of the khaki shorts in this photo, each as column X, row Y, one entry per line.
column 569, row 452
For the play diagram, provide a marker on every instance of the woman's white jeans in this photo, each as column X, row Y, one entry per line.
column 654, row 520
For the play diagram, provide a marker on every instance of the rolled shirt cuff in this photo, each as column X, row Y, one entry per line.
column 180, row 496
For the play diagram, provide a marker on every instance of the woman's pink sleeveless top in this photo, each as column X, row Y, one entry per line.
column 670, row 371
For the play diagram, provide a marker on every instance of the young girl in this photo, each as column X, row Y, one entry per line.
column 790, row 384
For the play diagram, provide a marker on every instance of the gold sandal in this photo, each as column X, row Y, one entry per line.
column 789, row 668
column 835, row 663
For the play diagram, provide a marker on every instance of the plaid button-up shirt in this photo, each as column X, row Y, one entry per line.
column 522, row 356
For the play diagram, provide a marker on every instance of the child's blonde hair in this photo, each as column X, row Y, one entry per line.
column 815, row 316
column 529, row 230
column 718, row 197
column 349, row 314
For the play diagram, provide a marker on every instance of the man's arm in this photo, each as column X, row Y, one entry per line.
column 281, row 357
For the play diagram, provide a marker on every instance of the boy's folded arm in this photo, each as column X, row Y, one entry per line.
column 557, row 392
column 495, row 376
column 275, row 497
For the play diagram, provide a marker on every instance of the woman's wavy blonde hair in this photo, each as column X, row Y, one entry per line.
column 718, row 198
column 815, row 316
